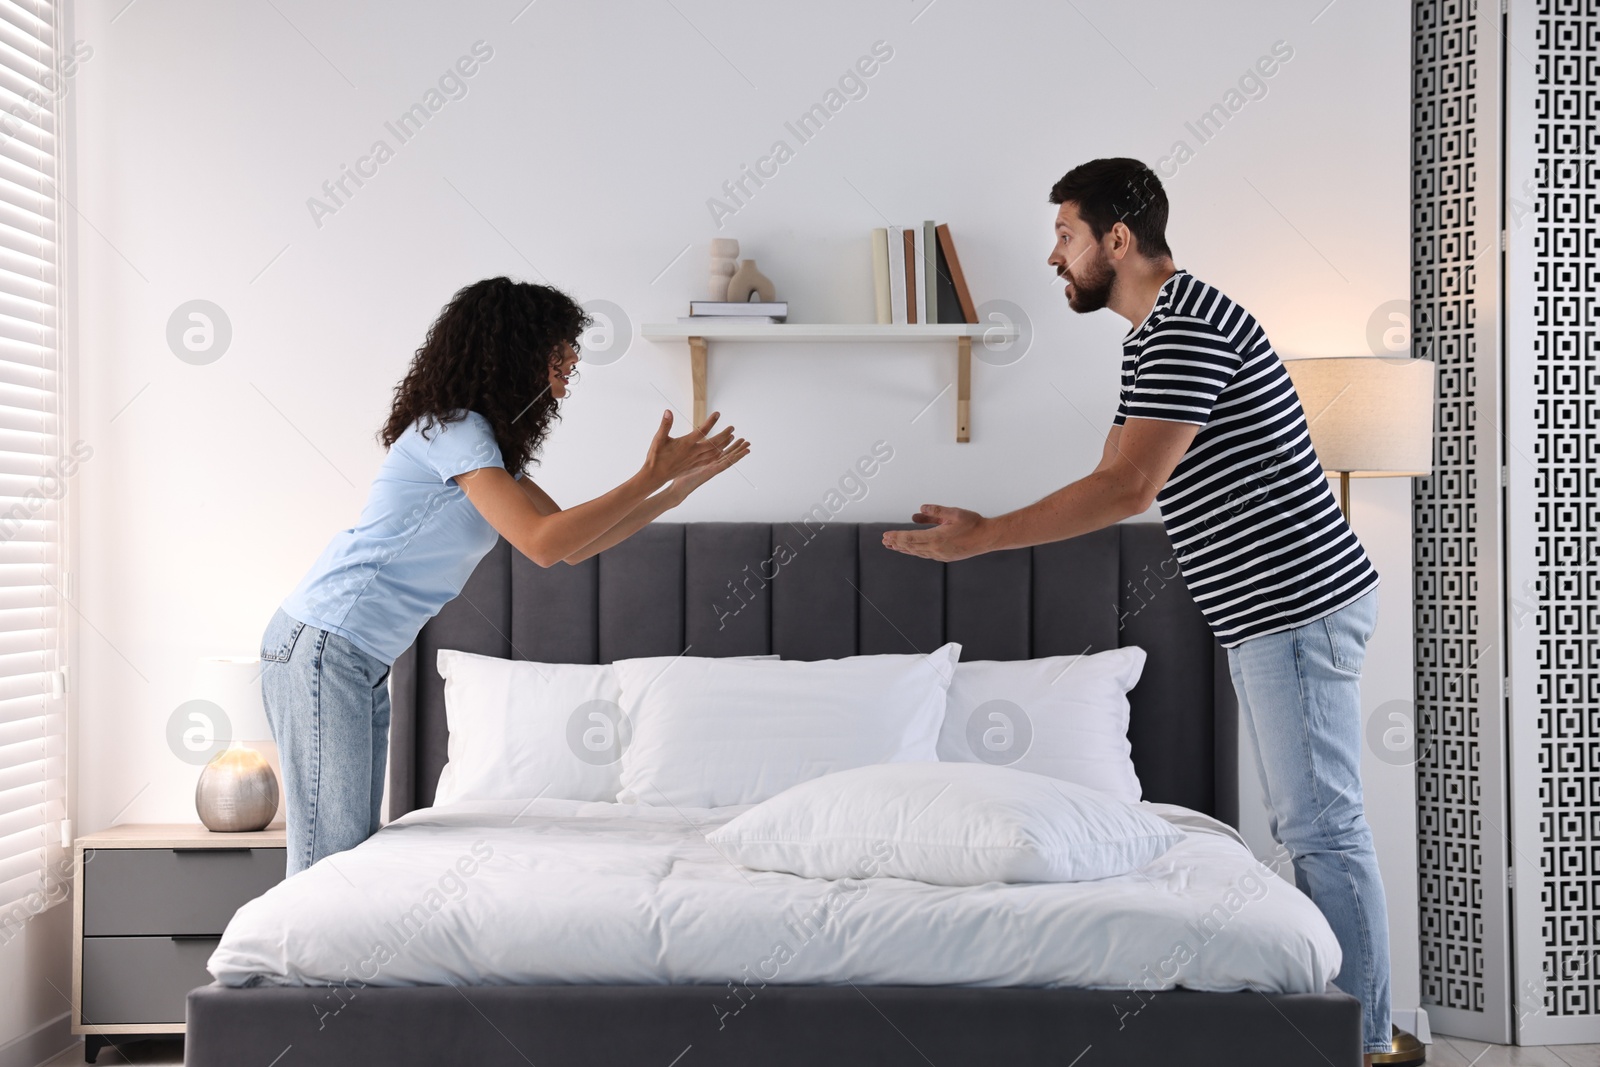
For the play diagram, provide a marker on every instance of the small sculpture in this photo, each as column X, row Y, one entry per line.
column 724, row 258
column 748, row 281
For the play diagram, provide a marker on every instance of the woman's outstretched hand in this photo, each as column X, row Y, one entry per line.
column 688, row 482
column 670, row 458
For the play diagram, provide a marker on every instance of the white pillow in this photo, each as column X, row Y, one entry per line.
column 520, row 729
column 945, row 823
column 1064, row 716
column 712, row 732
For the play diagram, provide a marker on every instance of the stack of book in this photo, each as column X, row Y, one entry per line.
column 729, row 311
column 917, row 275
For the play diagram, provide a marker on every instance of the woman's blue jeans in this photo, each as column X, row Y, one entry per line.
column 328, row 704
column 1300, row 701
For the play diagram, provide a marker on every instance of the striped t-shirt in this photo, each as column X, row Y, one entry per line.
column 1258, row 534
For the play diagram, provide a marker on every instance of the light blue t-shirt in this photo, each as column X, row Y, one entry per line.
column 414, row 547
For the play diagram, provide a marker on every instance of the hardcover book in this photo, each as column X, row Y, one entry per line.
column 880, row 274
column 909, row 247
column 958, row 280
column 897, row 276
column 702, row 308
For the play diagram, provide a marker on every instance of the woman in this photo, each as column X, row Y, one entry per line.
column 470, row 415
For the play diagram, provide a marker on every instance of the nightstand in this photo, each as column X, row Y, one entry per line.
column 149, row 906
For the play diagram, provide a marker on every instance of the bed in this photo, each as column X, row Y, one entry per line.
column 715, row 590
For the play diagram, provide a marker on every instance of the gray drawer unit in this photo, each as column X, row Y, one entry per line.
column 142, row 980
column 146, row 891
column 149, row 904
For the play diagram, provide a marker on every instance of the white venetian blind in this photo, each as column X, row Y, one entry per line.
column 33, row 470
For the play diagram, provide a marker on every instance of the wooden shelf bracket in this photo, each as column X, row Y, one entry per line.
column 697, row 369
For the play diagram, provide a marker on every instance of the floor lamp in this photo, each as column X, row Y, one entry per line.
column 1370, row 416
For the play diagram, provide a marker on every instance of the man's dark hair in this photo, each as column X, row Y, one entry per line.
column 1109, row 191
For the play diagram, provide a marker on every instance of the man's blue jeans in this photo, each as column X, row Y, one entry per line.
column 1300, row 702
column 328, row 705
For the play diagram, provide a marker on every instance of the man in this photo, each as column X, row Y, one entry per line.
column 1210, row 426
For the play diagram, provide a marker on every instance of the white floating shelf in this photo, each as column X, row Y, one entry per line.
column 699, row 334
column 823, row 331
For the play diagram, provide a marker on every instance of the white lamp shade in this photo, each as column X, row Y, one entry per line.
column 233, row 683
column 1369, row 416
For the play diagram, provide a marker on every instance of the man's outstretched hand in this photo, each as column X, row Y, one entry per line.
column 956, row 533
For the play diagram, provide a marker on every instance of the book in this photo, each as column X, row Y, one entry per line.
column 930, row 270
column 909, row 253
column 880, row 273
column 740, row 319
column 897, row 276
column 949, row 304
column 947, row 244
column 777, row 308
column 919, row 249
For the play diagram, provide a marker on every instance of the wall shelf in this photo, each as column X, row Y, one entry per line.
column 700, row 335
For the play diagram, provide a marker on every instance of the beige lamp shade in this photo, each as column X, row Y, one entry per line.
column 1369, row 416
column 233, row 683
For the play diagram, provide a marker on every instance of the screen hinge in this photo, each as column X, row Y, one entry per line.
column 1511, row 878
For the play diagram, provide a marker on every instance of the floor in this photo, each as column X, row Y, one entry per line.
column 165, row 1052
column 1444, row 1052
column 1460, row 1052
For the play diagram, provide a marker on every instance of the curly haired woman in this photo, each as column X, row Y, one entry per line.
column 470, row 415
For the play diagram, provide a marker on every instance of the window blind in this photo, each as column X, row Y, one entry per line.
column 33, row 466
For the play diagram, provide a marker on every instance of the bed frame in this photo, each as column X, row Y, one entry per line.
column 809, row 591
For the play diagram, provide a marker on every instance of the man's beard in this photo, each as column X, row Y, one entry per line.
column 1091, row 287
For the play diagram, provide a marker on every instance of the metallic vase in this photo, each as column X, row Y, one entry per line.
column 237, row 791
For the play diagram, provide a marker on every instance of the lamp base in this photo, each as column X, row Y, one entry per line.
column 237, row 792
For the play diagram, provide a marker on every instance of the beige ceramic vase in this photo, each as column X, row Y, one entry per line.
column 746, row 281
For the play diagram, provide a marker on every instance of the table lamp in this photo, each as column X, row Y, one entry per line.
column 238, row 790
column 1370, row 416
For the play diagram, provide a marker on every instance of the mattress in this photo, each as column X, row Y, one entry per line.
column 567, row 892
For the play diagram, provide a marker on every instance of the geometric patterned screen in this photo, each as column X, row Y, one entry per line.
column 1456, row 519
column 1506, row 301
column 1561, row 596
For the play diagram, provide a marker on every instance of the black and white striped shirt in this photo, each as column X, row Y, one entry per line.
column 1257, row 531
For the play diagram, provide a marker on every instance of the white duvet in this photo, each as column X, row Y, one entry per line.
column 551, row 891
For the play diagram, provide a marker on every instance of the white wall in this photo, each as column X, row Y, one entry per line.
column 584, row 153
column 36, row 988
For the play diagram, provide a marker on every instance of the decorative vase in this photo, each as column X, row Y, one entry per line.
column 724, row 260
column 237, row 791
column 747, row 281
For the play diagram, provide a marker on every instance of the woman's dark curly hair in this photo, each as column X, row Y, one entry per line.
column 490, row 351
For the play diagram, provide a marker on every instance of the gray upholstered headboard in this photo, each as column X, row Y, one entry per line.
column 807, row 591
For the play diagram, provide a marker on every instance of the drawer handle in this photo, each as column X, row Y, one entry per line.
column 206, row 851
column 196, row 937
